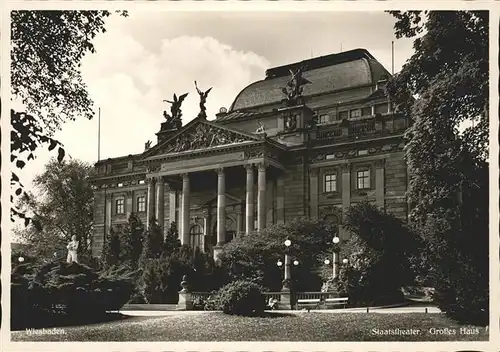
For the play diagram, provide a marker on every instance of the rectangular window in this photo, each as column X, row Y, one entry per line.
column 381, row 108
column 141, row 204
column 343, row 115
column 366, row 111
column 120, row 207
column 324, row 119
column 331, row 183
column 363, row 179
column 355, row 113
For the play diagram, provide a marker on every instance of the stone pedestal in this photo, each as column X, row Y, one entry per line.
column 185, row 297
column 185, row 301
column 286, row 300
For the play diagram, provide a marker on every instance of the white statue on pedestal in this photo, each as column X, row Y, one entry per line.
column 72, row 250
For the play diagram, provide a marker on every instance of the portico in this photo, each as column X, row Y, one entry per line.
column 240, row 163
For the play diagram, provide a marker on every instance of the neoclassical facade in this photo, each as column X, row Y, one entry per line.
column 263, row 162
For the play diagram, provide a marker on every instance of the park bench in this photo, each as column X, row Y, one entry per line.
column 336, row 301
column 316, row 302
column 308, row 303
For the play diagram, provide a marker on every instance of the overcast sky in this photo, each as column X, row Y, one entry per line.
column 148, row 56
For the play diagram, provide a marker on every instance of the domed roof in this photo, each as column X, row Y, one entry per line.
column 327, row 73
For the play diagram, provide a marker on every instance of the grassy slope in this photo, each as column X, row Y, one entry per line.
column 215, row 326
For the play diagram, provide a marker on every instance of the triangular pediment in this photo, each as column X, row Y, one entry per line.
column 200, row 134
column 230, row 199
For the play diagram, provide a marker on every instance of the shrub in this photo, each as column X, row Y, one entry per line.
column 241, row 298
column 459, row 263
column 379, row 253
column 253, row 257
column 82, row 291
column 199, row 303
column 161, row 277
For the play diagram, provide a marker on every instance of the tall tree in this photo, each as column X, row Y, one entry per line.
column 131, row 239
column 443, row 87
column 63, row 205
column 46, row 51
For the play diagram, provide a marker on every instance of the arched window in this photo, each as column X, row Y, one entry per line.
column 196, row 237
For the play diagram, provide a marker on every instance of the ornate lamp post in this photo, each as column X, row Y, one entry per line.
column 286, row 300
column 336, row 251
column 288, row 272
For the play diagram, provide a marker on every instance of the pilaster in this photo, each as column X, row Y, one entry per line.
column 313, row 192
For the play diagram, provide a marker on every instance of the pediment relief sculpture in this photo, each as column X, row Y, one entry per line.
column 203, row 136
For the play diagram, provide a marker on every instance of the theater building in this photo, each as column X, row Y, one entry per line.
column 263, row 162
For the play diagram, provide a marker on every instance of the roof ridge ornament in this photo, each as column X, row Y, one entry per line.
column 203, row 101
column 293, row 89
column 174, row 121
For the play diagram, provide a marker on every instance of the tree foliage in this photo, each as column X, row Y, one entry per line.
column 46, row 51
column 254, row 257
column 63, row 206
column 131, row 241
column 241, row 297
column 444, row 88
column 379, row 253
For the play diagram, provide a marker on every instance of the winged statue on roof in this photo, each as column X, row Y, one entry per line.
column 294, row 87
column 174, row 120
column 203, row 100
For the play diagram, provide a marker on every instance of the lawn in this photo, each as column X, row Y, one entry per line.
column 215, row 326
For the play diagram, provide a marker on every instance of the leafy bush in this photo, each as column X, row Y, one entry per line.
column 253, row 257
column 59, row 288
column 459, row 263
column 379, row 253
column 161, row 277
column 199, row 303
column 241, row 298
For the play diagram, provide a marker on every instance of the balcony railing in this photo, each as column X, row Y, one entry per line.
column 359, row 129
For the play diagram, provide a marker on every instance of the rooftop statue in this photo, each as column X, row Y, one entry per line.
column 147, row 145
column 261, row 129
column 203, row 101
column 293, row 90
column 174, row 121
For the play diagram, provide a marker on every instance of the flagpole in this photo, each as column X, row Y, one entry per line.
column 99, row 135
column 392, row 56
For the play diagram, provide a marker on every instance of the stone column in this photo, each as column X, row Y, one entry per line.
column 185, row 209
column 249, row 200
column 108, row 210
column 261, row 197
column 160, row 203
column 221, row 207
column 179, row 222
column 270, row 202
column 280, row 200
column 172, row 203
column 346, row 195
column 380, row 183
column 221, row 212
column 313, row 192
column 205, row 230
column 239, row 222
column 151, row 201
